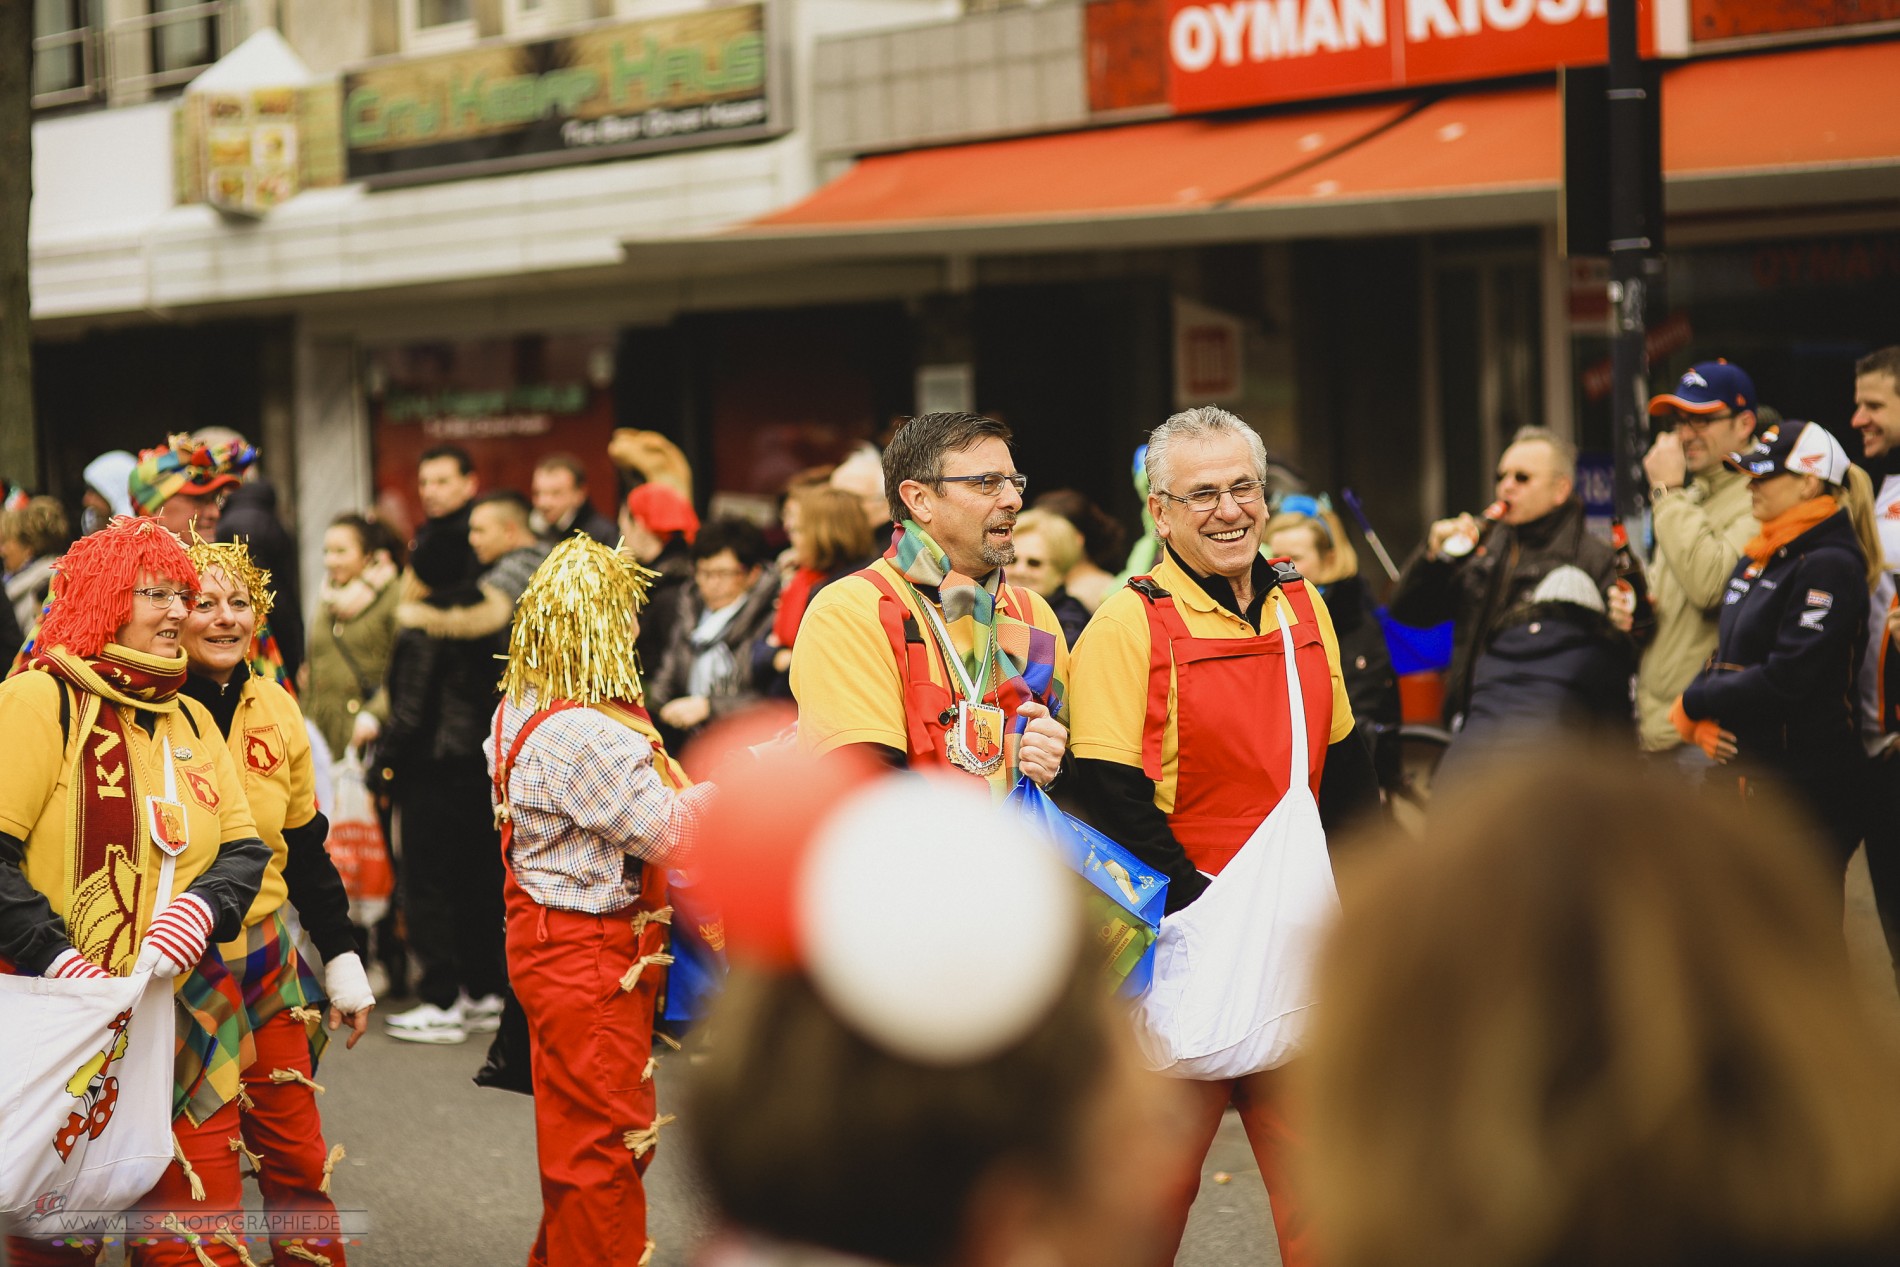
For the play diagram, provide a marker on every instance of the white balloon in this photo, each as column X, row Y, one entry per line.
column 934, row 924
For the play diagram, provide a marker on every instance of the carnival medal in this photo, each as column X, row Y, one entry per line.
column 976, row 741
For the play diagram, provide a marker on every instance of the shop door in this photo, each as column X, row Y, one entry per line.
column 1484, row 333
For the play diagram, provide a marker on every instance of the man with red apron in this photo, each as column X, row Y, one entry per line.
column 1182, row 738
column 926, row 658
column 591, row 809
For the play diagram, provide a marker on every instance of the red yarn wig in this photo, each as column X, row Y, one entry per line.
column 93, row 584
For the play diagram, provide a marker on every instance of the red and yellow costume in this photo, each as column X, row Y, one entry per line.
column 1173, row 683
column 89, row 725
column 590, row 807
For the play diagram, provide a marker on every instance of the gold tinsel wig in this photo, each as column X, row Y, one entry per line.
column 573, row 635
column 233, row 558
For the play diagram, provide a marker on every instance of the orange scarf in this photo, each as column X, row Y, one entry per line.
column 1788, row 525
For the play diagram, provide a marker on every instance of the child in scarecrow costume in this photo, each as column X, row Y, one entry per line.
column 592, row 810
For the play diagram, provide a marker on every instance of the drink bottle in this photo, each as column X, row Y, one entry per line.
column 1459, row 544
column 1630, row 578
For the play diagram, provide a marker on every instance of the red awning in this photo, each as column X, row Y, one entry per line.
column 1792, row 128
column 1470, row 143
column 1804, row 108
column 1172, row 166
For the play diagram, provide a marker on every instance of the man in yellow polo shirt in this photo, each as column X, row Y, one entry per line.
column 1182, row 738
column 926, row 657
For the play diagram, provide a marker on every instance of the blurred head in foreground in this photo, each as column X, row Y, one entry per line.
column 1595, row 1020
column 912, row 1067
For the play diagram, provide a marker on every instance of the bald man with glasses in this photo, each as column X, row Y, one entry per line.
column 1538, row 527
column 1701, row 513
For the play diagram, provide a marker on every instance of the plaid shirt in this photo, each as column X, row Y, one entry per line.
column 588, row 808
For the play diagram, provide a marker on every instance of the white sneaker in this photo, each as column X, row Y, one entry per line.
column 481, row 1016
column 427, row 1023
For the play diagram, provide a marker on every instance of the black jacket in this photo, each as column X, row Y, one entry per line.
column 1474, row 592
column 250, row 516
column 662, row 610
column 588, row 522
column 1552, row 666
column 1788, row 650
column 1364, row 658
column 738, row 689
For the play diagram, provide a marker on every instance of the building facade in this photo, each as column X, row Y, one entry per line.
column 766, row 230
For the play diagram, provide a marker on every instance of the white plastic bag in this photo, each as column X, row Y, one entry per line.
column 85, row 1087
column 1233, row 975
column 85, row 1095
column 356, row 844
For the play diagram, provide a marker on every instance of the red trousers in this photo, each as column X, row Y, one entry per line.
column 282, row 1128
column 591, row 1042
column 1259, row 1097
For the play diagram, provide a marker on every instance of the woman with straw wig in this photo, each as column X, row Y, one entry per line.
column 97, row 730
column 280, row 1133
column 592, row 809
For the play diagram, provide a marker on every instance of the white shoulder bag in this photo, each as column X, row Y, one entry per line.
column 1233, row 975
column 85, row 1087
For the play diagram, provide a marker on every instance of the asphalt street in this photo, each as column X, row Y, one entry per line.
column 446, row 1170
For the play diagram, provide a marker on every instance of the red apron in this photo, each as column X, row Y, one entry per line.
column 591, row 1039
column 1233, row 741
column 930, row 708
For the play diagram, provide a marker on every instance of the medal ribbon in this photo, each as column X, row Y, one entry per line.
column 972, row 687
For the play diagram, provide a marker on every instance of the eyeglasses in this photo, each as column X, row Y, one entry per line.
column 717, row 573
column 1516, row 477
column 1202, row 500
column 163, row 599
column 1028, row 562
column 990, row 483
column 1700, row 422
column 205, row 604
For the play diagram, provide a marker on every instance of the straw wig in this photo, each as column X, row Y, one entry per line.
column 93, row 582
column 233, row 558
column 573, row 634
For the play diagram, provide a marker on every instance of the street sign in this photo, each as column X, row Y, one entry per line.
column 1583, row 225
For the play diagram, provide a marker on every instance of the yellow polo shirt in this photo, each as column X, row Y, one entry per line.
column 35, row 778
column 848, row 681
column 271, row 750
column 1109, row 686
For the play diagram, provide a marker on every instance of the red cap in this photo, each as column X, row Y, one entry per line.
column 663, row 512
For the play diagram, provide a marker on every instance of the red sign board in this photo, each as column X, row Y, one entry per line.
column 1226, row 53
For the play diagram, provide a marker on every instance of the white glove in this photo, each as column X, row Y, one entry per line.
column 177, row 939
column 70, row 965
column 347, row 984
column 364, row 729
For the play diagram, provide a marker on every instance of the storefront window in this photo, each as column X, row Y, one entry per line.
column 62, row 52
column 443, row 12
column 187, row 40
column 509, row 402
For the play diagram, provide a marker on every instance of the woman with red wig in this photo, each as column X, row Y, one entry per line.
column 109, row 769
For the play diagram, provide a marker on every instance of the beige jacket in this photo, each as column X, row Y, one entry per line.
column 1700, row 533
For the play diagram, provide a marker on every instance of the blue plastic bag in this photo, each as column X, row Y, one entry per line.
column 1415, row 650
column 699, row 954
column 1127, row 897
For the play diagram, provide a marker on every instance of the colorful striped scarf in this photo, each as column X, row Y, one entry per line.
column 1026, row 654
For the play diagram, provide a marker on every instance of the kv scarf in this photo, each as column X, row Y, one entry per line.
column 107, row 827
column 1009, row 656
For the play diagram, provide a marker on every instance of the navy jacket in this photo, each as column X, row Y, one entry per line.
column 1789, row 648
